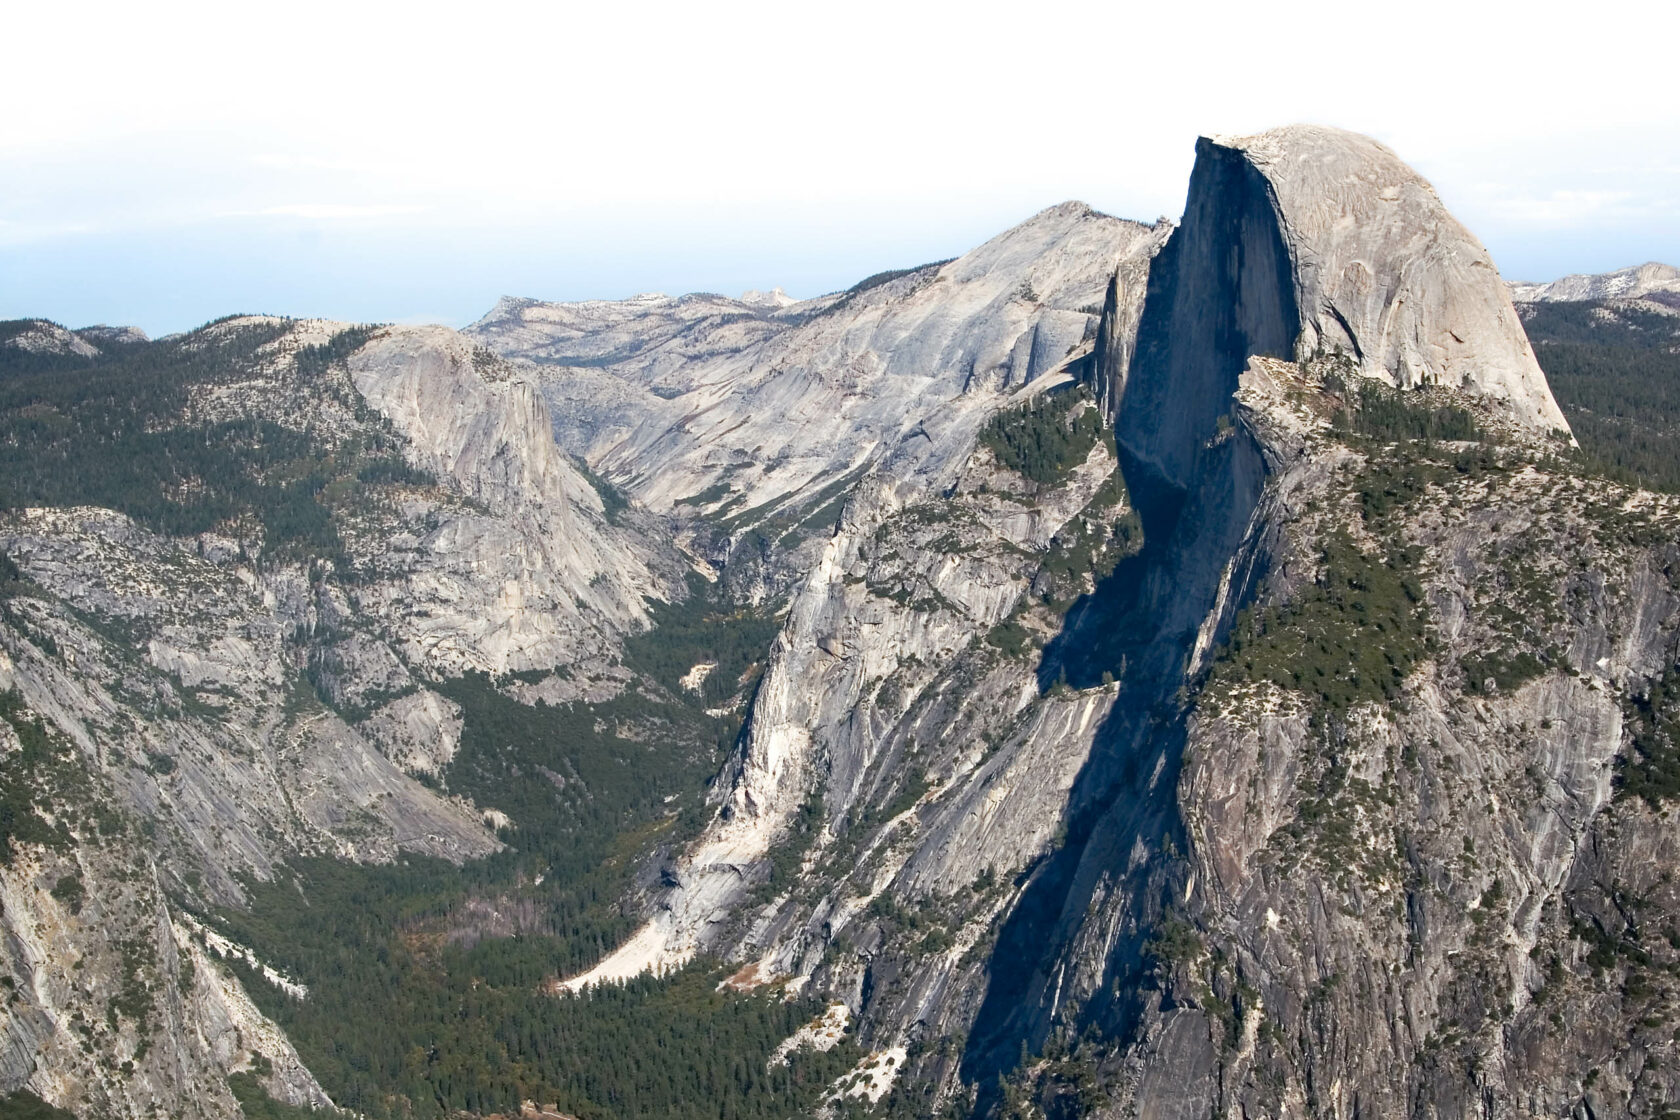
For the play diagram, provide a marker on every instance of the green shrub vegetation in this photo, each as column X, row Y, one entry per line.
column 891, row 274
column 24, row 1105
column 1092, row 544
column 613, row 501
column 70, row 891
column 1507, row 670
column 787, row 854
column 1651, row 768
column 1352, row 635
column 1044, row 440
column 716, row 492
column 31, row 779
column 1012, row 638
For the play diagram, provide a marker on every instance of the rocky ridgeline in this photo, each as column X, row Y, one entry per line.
column 1206, row 682
column 1651, row 281
column 1123, row 951
column 761, row 416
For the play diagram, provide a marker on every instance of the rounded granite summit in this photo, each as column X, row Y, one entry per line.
column 1385, row 273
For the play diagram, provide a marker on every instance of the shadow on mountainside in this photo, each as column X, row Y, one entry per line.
column 1123, row 800
column 1120, row 859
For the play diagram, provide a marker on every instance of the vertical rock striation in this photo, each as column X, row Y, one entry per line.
column 1343, row 896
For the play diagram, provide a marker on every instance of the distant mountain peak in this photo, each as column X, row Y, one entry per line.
column 1634, row 282
column 775, row 298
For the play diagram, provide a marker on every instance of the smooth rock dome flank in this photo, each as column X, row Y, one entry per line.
column 1306, row 240
column 1383, row 271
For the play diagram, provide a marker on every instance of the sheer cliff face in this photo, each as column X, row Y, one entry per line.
column 1384, row 273
column 1310, row 241
column 1220, row 290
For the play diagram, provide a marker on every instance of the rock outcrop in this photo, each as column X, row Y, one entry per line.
column 1132, row 712
column 43, row 338
column 544, row 578
column 1310, row 241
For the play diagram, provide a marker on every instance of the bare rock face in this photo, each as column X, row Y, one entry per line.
column 1309, row 240
column 537, row 576
column 101, row 333
column 1111, row 360
column 745, row 405
column 468, row 420
column 1383, row 272
column 151, row 706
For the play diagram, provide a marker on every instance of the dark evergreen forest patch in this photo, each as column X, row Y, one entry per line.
column 1047, row 438
column 1616, row 375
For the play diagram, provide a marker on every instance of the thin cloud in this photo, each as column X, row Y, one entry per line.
column 24, row 233
column 285, row 161
column 329, row 211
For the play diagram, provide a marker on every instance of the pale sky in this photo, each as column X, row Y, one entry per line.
column 167, row 163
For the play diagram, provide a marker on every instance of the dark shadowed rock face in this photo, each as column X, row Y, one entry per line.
column 1303, row 241
column 1220, row 290
column 1238, row 765
column 1296, row 883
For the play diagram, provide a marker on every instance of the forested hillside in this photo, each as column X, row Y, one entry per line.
column 1615, row 370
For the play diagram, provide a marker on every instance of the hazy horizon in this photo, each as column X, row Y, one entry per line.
column 389, row 164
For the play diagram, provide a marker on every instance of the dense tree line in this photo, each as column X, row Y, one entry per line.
column 449, row 1033
column 704, row 630
column 1617, row 378
column 1380, row 412
column 1045, row 439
